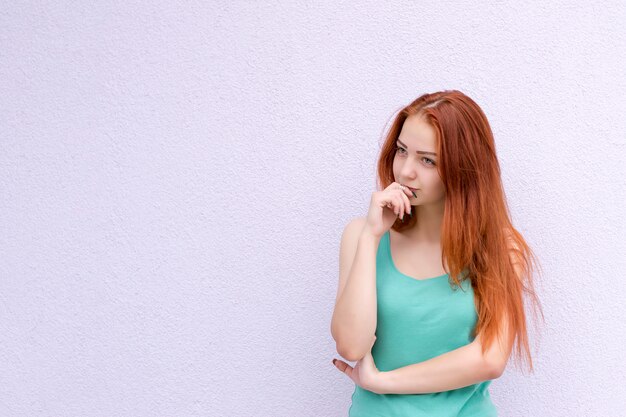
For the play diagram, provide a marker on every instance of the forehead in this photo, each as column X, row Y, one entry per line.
column 417, row 133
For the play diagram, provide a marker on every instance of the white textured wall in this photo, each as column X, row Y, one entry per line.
column 175, row 178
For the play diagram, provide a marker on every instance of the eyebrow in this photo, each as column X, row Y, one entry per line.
column 417, row 152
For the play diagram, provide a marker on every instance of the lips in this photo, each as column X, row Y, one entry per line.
column 413, row 190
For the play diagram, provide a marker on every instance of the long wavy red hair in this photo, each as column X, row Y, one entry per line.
column 478, row 238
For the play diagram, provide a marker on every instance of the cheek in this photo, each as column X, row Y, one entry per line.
column 435, row 184
column 396, row 168
column 440, row 187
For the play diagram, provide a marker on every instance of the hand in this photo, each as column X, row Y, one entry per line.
column 386, row 207
column 364, row 374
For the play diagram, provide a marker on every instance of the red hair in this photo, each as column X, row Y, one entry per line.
column 477, row 235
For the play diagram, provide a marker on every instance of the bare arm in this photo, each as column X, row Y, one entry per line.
column 455, row 369
column 452, row 370
column 354, row 318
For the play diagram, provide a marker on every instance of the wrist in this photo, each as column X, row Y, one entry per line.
column 368, row 236
column 384, row 383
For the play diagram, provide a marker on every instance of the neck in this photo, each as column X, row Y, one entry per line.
column 429, row 221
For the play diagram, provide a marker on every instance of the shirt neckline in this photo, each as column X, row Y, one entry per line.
column 396, row 270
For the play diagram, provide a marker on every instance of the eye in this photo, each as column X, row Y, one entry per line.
column 428, row 160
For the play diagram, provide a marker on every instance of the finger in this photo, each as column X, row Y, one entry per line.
column 398, row 206
column 401, row 205
column 407, row 202
column 392, row 204
column 401, row 193
column 343, row 367
column 393, row 186
column 407, row 194
column 387, row 202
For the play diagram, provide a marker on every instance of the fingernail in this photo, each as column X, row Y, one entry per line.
column 334, row 362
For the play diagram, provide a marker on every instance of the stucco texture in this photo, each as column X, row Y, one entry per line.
column 175, row 178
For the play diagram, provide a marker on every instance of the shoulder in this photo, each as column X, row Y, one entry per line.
column 351, row 232
column 354, row 226
column 350, row 238
column 347, row 250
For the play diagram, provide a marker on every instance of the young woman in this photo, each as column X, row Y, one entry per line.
column 432, row 281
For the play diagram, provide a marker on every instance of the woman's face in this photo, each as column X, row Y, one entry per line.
column 415, row 162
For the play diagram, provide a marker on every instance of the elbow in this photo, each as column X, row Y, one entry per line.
column 491, row 366
column 344, row 347
column 349, row 354
column 494, row 370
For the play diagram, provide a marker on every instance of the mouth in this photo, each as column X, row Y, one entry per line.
column 413, row 190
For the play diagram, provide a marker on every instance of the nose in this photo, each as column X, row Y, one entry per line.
column 408, row 172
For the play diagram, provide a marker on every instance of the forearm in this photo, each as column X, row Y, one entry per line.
column 455, row 369
column 354, row 320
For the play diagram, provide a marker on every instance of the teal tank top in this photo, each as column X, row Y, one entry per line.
column 418, row 320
